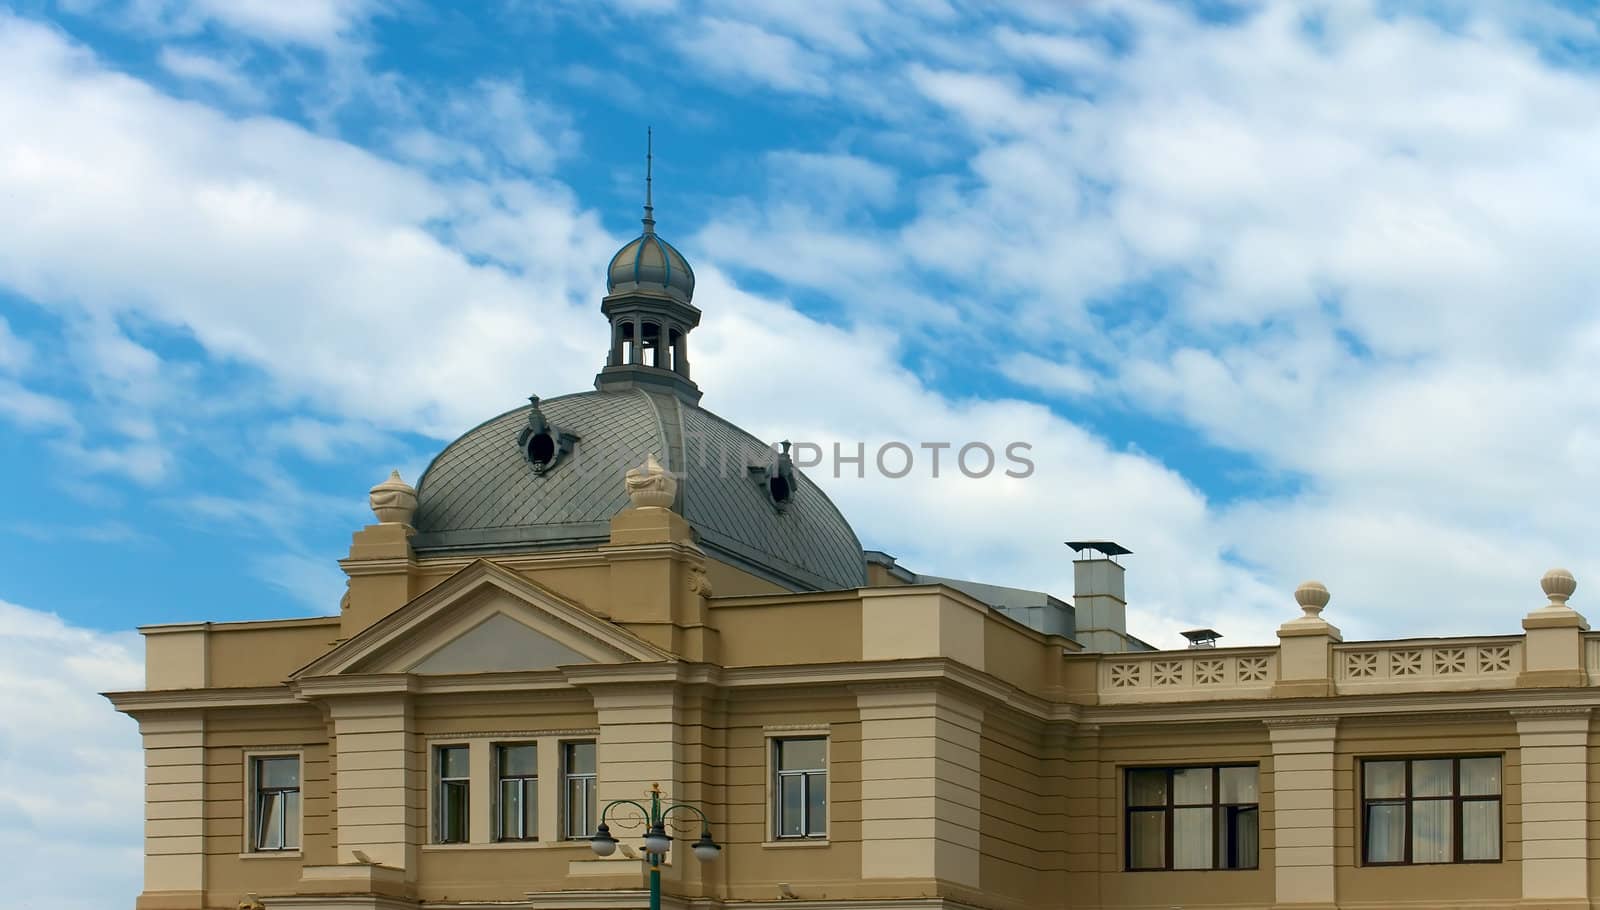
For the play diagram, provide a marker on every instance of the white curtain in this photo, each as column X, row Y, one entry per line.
column 1191, row 839
column 1386, row 833
column 1430, row 831
column 1480, row 829
column 1147, row 840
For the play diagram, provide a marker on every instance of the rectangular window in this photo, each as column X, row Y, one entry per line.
column 1192, row 818
column 517, row 770
column 579, row 807
column 451, row 794
column 800, row 790
column 1430, row 810
column 276, row 782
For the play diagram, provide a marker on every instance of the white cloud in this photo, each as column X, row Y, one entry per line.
column 756, row 355
column 272, row 245
column 740, row 50
column 1369, row 289
column 221, row 74
column 315, row 23
column 33, row 410
column 843, row 181
column 316, row 582
column 15, row 354
column 322, row 440
column 1356, row 253
column 71, row 768
column 1049, row 375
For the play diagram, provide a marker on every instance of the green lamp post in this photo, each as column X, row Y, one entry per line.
column 656, row 839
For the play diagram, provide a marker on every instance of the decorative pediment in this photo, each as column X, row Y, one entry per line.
column 483, row 619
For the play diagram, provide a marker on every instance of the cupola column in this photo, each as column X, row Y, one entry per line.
column 638, row 341
column 680, row 356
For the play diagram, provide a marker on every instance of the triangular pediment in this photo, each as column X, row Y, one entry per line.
column 499, row 644
column 483, row 619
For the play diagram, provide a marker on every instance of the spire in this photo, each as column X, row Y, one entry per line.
column 649, row 209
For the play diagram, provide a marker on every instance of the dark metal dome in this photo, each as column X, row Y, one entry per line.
column 482, row 493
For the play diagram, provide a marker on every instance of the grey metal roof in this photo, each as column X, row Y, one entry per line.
column 480, row 494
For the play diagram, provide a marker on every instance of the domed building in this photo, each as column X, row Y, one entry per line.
column 612, row 651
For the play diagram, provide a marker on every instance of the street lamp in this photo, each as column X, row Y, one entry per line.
column 656, row 839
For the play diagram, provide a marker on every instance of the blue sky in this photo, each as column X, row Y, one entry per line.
column 1274, row 290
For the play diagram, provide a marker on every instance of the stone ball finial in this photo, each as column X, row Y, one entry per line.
column 393, row 501
column 1558, row 585
column 650, row 486
column 1312, row 596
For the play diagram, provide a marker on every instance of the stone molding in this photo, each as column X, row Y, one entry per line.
column 1552, row 711
column 1303, row 720
column 509, row 734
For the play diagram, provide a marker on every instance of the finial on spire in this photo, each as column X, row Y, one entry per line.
column 649, row 154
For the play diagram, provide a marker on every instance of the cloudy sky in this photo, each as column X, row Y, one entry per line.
column 1274, row 291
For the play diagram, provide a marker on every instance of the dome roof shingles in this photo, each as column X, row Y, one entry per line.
column 480, row 494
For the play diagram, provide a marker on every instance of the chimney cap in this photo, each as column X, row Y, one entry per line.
column 1196, row 636
column 1109, row 548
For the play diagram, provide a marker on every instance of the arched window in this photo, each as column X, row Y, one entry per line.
column 650, row 344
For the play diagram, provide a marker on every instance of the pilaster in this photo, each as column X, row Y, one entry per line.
column 1302, row 815
column 1555, row 785
column 376, row 767
column 639, row 747
column 920, row 780
column 174, row 806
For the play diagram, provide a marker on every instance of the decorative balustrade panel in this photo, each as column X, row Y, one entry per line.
column 1479, row 663
column 1591, row 657
column 1198, row 675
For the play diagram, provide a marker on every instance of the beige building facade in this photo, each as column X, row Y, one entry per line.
column 576, row 604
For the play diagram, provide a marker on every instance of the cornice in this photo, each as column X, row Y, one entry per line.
column 1432, row 705
column 180, row 627
column 385, row 565
column 356, row 685
column 143, row 701
column 632, row 551
column 1553, row 711
column 659, row 672
column 1302, row 720
column 638, row 899
column 561, row 559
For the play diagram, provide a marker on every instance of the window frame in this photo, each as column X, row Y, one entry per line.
column 526, row 783
column 1167, row 814
column 567, row 777
column 1456, row 800
column 437, row 787
column 775, row 756
column 252, row 801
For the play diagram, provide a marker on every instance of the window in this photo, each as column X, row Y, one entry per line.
column 1192, row 818
column 578, row 800
column 1430, row 810
column 451, row 794
column 517, row 768
column 801, row 787
column 276, row 781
